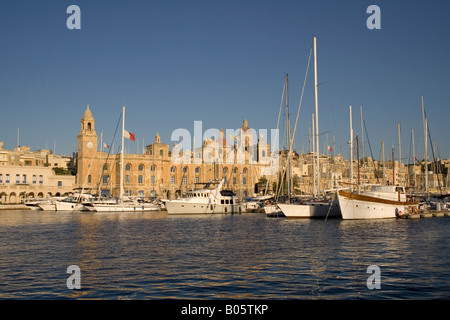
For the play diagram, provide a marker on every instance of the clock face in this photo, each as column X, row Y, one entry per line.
column 90, row 145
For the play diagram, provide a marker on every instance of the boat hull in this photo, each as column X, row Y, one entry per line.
column 186, row 208
column 310, row 211
column 123, row 208
column 360, row 207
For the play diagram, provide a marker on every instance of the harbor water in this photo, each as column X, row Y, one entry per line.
column 153, row 255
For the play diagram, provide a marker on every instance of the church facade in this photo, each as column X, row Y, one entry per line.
column 165, row 172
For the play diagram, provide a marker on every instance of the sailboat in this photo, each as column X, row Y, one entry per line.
column 314, row 208
column 122, row 203
column 378, row 203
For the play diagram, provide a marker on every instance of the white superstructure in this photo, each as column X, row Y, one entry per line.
column 205, row 201
column 379, row 203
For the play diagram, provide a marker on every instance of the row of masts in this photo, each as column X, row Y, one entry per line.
column 316, row 179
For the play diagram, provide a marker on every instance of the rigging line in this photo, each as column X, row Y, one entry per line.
column 432, row 151
column 110, row 149
column 370, row 148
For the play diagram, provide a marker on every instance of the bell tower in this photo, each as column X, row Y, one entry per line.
column 87, row 146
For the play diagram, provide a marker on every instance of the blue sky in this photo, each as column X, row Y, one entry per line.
column 174, row 62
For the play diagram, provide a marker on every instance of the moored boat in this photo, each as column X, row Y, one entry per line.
column 205, row 201
column 379, row 203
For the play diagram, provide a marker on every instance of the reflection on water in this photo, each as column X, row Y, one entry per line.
column 153, row 255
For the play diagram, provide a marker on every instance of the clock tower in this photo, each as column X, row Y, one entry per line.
column 87, row 147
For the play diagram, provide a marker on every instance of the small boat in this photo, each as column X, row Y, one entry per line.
column 124, row 204
column 257, row 203
column 49, row 204
column 76, row 202
column 205, row 201
column 379, row 203
column 313, row 209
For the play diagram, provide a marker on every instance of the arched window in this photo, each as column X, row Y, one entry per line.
column 263, row 153
column 153, row 168
column 105, row 167
column 235, row 170
column 197, row 170
column 89, row 126
column 128, row 167
column 244, row 171
column 185, row 169
column 225, row 169
column 161, row 153
column 173, row 169
column 141, row 167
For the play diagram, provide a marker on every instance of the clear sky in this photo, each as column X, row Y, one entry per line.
column 174, row 62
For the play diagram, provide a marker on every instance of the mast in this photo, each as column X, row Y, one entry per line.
column 312, row 156
column 101, row 167
column 399, row 154
column 362, row 142
column 393, row 167
column 357, row 157
column 121, row 154
column 414, row 158
column 351, row 151
column 425, row 133
column 317, row 114
column 288, row 132
column 382, row 159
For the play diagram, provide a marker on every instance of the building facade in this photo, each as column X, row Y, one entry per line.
column 165, row 172
column 39, row 174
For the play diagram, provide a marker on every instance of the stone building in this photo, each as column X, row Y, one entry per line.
column 33, row 174
column 156, row 173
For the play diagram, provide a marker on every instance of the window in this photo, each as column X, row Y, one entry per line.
column 140, row 179
column 127, row 178
column 172, row 170
column 244, row 171
column 141, row 167
column 244, row 181
column 235, row 170
column 128, row 167
column 263, row 153
column 7, row 178
column 184, row 180
column 196, row 180
column 153, row 179
column 185, row 169
column 1, row 178
column 141, row 193
column 197, row 170
column 105, row 167
column 105, row 178
column 34, row 179
column 161, row 153
column 153, row 168
column 59, row 183
column 41, row 179
column 24, row 178
column 234, row 180
column 172, row 180
column 89, row 178
column 225, row 169
column 17, row 178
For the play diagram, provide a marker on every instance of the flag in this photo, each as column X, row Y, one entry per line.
column 129, row 135
column 105, row 145
column 329, row 148
column 415, row 158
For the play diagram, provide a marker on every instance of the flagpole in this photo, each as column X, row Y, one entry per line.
column 121, row 154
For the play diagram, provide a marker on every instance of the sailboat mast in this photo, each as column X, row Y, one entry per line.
column 382, row 159
column 351, row 151
column 425, row 136
column 288, row 132
column 312, row 156
column 399, row 154
column 317, row 115
column 414, row 158
column 121, row 153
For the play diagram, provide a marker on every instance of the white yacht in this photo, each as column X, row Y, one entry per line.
column 123, row 205
column 378, row 203
column 313, row 209
column 49, row 204
column 76, row 202
column 205, row 201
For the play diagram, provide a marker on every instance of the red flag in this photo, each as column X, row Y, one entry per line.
column 105, row 145
column 415, row 159
column 129, row 135
column 329, row 148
